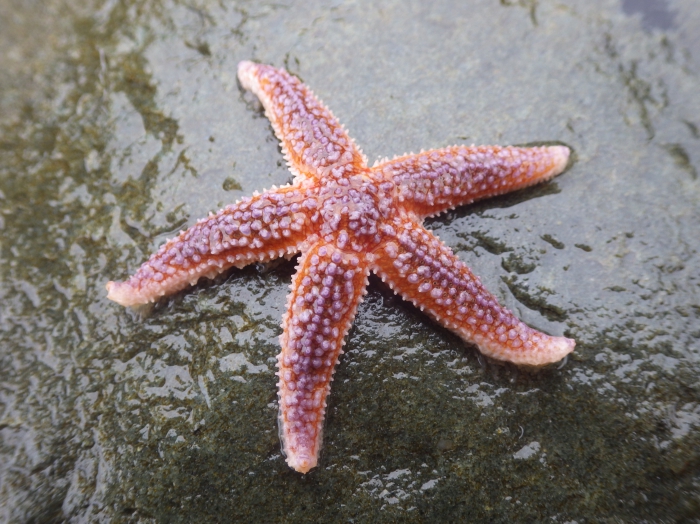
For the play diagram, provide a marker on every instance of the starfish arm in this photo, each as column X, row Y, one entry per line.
column 416, row 264
column 266, row 226
column 440, row 179
column 325, row 292
column 314, row 143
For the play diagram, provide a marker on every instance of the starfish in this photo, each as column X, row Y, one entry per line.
column 348, row 219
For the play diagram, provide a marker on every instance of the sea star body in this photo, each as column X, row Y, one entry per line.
column 348, row 219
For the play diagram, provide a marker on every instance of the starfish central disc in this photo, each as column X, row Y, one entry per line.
column 352, row 209
column 348, row 219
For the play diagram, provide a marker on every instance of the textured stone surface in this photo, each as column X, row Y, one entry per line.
column 122, row 123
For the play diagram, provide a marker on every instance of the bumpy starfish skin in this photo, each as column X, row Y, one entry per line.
column 348, row 219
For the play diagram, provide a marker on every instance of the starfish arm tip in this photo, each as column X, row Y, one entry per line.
column 245, row 65
column 548, row 351
column 302, row 462
column 555, row 350
column 246, row 70
column 123, row 294
column 561, row 157
column 567, row 344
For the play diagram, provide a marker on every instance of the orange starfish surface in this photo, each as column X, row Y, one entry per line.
column 348, row 219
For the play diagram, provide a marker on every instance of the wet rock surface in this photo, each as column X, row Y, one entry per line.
column 123, row 122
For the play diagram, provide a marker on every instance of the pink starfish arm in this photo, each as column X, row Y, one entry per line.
column 325, row 292
column 266, row 226
column 440, row 179
column 417, row 265
column 314, row 143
